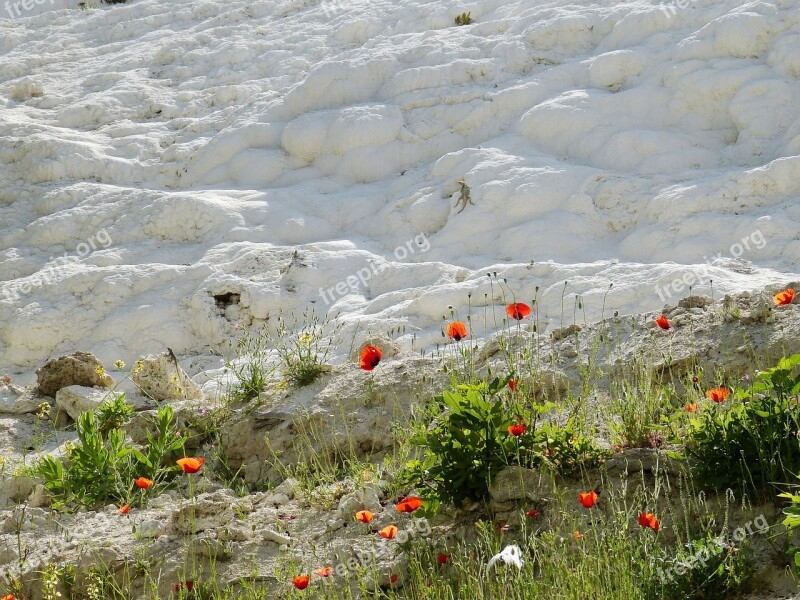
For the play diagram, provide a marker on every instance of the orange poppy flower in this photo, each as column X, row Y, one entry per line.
column 587, row 499
column 409, row 505
column 518, row 310
column 370, row 357
column 785, row 297
column 512, row 383
column 143, row 483
column 649, row 520
column 364, row 516
column 532, row 513
column 442, row 559
column 516, row 429
column 457, row 331
column 125, row 509
column 8, row 597
column 718, row 394
column 301, row 581
column 388, row 532
column 190, row 465
column 663, row 322
column 577, row 535
column 690, row 407
column 324, row 571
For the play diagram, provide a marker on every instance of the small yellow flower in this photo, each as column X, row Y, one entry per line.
column 138, row 366
column 44, row 410
column 305, row 339
column 100, row 370
column 119, row 364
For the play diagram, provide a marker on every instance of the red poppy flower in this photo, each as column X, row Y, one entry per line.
column 364, row 516
column 388, row 532
column 784, row 297
column 8, row 597
column 393, row 578
column 512, row 383
column 370, row 357
column 690, row 407
column 442, row 559
column 324, row 571
column 124, row 509
column 518, row 310
column 516, row 429
column 190, row 465
column 649, row 520
column 457, row 331
column 301, row 581
column 587, row 499
column 184, row 585
column 532, row 513
column 409, row 505
column 718, row 394
column 143, row 483
column 662, row 322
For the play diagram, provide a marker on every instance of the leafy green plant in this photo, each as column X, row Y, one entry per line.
column 102, row 468
column 113, row 414
column 471, row 440
column 792, row 520
column 464, row 19
column 251, row 367
column 303, row 347
column 708, row 568
column 755, row 437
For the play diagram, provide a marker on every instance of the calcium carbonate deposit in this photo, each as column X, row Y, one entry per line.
column 174, row 172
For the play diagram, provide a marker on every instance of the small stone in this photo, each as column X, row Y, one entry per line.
column 78, row 368
column 151, row 529
column 75, row 399
column 160, row 377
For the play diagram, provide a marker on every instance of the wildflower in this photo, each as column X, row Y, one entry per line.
column 718, row 394
column 324, row 571
column 532, row 513
column 663, row 323
column 512, row 384
column 388, row 532
column 510, row 555
column 124, row 509
column 518, row 310
column 649, row 520
column 587, row 499
column 577, row 535
column 188, row 585
column 370, row 357
column 457, row 331
column 442, row 559
column 190, row 465
column 301, row 581
column 203, row 411
column 43, row 410
column 143, row 483
column 409, row 505
column 364, row 516
column 177, row 434
column 393, row 578
column 690, row 407
column 100, row 370
column 119, row 364
column 516, row 429
column 8, row 597
column 785, row 297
